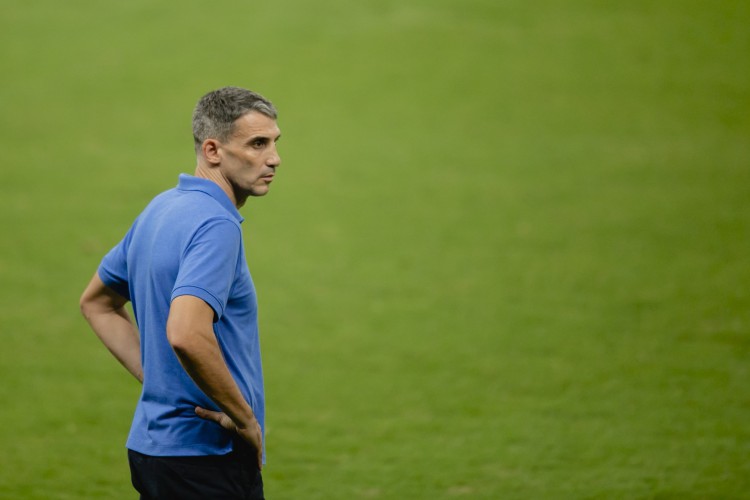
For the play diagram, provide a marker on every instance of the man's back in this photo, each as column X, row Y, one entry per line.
column 187, row 241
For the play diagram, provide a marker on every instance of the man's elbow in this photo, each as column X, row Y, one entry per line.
column 86, row 305
column 189, row 325
column 98, row 298
column 180, row 338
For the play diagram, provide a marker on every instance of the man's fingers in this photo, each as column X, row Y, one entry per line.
column 254, row 437
column 215, row 416
column 207, row 414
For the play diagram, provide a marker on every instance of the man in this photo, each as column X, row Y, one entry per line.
column 199, row 423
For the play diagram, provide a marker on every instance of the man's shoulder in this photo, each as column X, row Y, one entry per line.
column 183, row 204
column 174, row 215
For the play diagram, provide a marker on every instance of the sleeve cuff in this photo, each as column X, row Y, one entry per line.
column 202, row 294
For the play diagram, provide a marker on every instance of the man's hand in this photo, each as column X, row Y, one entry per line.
column 252, row 434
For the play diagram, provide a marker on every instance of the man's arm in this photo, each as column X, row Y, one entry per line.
column 104, row 309
column 191, row 335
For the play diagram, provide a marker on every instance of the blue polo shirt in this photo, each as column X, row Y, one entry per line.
column 187, row 241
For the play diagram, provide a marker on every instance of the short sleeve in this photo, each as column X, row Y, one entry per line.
column 209, row 263
column 113, row 269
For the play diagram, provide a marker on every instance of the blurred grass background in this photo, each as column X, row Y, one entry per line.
column 506, row 255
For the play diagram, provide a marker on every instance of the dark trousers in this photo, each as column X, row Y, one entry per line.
column 232, row 476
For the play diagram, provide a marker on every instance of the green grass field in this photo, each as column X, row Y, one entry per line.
column 507, row 254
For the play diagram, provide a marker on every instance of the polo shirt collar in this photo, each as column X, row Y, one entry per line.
column 192, row 183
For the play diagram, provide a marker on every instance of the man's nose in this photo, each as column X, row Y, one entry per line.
column 274, row 160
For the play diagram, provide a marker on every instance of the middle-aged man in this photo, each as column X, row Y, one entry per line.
column 199, row 424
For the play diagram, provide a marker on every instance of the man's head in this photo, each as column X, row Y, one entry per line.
column 216, row 112
column 235, row 134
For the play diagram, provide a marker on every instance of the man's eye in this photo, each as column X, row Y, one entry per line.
column 258, row 143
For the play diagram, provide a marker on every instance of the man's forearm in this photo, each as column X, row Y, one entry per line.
column 201, row 358
column 191, row 335
column 105, row 312
column 118, row 333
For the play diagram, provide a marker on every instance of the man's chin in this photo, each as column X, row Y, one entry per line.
column 255, row 192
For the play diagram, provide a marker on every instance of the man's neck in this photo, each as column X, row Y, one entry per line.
column 213, row 175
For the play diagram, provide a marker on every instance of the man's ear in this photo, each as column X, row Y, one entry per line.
column 210, row 148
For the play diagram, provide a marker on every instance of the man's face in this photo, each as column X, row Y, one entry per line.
column 249, row 157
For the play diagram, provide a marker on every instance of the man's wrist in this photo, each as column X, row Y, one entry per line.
column 247, row 421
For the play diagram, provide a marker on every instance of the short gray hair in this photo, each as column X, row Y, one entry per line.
column 216, row 112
